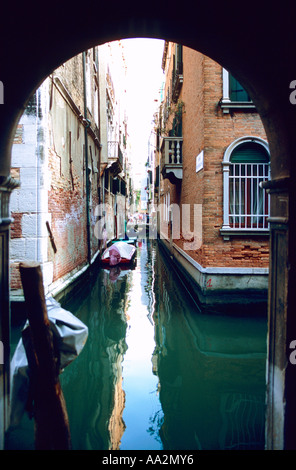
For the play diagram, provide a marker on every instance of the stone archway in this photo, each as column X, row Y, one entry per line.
column 258, row 46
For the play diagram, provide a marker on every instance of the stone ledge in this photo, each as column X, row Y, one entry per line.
column 218, row 285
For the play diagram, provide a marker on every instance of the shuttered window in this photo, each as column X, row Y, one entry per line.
column 236, row 91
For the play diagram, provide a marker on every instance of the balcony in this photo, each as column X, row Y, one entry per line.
column 171, row 159
column 115, row 157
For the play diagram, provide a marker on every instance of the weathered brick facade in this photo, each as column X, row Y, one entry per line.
column 209, row 128
column 220, row 130
column 60, row 154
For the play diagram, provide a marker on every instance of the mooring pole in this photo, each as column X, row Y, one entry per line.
column 50, row 413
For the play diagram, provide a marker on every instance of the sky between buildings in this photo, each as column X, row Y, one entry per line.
column 144, row 80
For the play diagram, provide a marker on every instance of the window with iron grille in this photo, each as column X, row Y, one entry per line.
column 246, row 203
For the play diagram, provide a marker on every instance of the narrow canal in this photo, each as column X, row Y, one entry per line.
column 158, row 373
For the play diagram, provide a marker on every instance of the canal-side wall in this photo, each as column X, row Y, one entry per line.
column 60, row 155
column 219, row 284
column 56, row 153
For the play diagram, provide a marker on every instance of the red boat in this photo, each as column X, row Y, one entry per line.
column 118, row 253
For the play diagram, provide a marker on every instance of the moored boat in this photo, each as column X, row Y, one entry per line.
column 118, row 253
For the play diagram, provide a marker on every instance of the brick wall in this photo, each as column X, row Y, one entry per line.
column 49, row 159
column 207, row 128
column 67, row 196
column 220, row 131
column 67, row 208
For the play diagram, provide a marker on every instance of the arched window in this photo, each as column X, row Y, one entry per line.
column 246, row 203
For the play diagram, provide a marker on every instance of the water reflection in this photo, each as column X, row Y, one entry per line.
column 158, row 373
column 139, row 383
column 212, row 373
column 93, row 386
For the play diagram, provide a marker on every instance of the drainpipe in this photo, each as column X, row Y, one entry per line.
column 87, row 182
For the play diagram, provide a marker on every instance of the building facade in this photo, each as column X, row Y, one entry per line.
column 117, row 185
column 212, row 158
column 70, row 156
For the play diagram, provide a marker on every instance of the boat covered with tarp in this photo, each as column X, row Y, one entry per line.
column 69, row 336
column 119, row 253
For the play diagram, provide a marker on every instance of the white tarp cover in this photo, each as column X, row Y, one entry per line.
column 124, row 249
column 70, row 335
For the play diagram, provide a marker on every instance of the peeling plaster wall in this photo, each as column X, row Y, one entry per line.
column 29, row 203
column 49, row 160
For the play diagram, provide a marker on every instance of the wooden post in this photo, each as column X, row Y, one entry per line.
column 50, row 414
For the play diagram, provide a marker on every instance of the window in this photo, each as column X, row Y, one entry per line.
column 236, row 91
column 246, row 203
column 176, row 130
column 96, row 105
column 177, row 73
column 115, row 182
column 88, row 82
column 106, row 179
column 234, row 95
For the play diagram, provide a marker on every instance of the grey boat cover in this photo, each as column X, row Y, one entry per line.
column 70, row 335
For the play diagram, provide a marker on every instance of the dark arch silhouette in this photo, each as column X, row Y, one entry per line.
column 256, row 41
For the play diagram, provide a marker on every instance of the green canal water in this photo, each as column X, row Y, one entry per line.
column 157, row 372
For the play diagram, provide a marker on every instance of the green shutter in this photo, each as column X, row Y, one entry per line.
column 179, row 58
column 249, row 153
column 236, row 91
